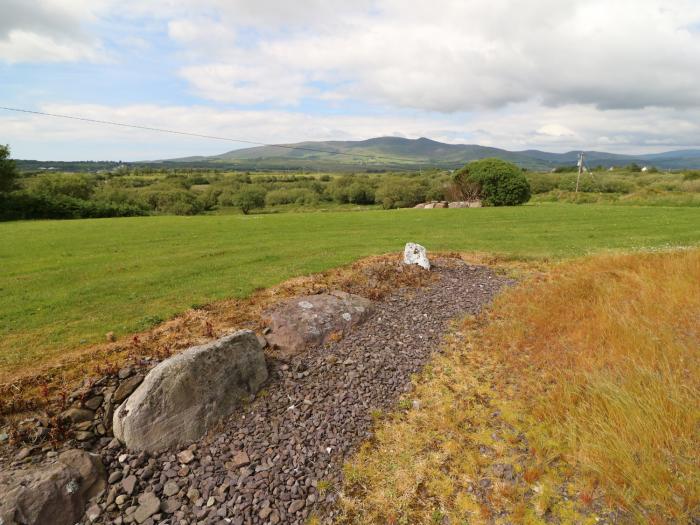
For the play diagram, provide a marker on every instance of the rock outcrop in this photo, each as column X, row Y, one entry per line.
column 313, row 319
column 53, row 493
column 416, row 254
column 186, row 395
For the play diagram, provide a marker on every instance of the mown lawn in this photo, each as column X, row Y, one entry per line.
column 65, row 284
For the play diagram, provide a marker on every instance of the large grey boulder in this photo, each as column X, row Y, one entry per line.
column 53, row 493
column 313, row 319
column 186, row 395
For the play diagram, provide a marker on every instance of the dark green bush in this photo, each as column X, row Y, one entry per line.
column 360, row 193
column 22, row 205
column 499, row 183
column 8, row 170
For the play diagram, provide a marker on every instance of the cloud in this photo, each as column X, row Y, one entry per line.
column 48, row 31
column 461, row 56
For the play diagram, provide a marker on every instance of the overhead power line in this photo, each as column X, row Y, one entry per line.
column 198, row 135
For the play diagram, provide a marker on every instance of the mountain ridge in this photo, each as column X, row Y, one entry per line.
column 399, row 152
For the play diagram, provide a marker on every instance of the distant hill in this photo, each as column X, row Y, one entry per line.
column 397, row 152
column 383, row 154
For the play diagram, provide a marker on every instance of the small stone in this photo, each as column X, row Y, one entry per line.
column 241, row 459
column 127, row 387
column 170, row 505
column 84, row 435
column 125, row 372
column 77, row 415
column 193, row 494
column 296, row 506
column 211, row 501
column 171, row 488
column 186, row 456
column 184, row 471
column 149, row 504
column 114, row 477
column 128, row 484
column 120, row 500
column 24, row 453
column 93, row 512
column 264, row 513
column 110, row 337
column 94, row 402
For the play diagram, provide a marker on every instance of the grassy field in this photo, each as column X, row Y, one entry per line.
column 65, row 284
column 574, row 398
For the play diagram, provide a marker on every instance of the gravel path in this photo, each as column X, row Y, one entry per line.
column 280, row 459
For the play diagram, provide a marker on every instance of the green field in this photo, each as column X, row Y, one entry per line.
column 66, row 283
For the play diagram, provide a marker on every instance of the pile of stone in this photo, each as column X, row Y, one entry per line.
column 445, row 204
column 193, row 441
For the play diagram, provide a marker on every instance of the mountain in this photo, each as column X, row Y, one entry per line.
column 401, row 153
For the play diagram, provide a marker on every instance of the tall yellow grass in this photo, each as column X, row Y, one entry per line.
column 584, row 379
column 606, row 351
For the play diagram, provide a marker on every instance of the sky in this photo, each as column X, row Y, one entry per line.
column 613, row 75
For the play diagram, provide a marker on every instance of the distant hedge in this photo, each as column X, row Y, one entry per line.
column 21, row 205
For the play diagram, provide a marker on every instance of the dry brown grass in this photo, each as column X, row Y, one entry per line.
column 43, row 386
column 607, row 351
column 584, row 380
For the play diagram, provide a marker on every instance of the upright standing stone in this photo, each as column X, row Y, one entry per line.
column 186, row 395
column 416, row 254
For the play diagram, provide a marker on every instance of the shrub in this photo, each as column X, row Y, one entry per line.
column 542, row 182
column 360, row 193
column 74, row 185
column 499, row 183
column 338, row 189
column 209, row 198
column 8, row 170
column 171, row 201
column 249, row 198
column 303, row 196
column 400, row 193
column 22, row 205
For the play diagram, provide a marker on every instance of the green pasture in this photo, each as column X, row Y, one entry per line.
column 64, row 284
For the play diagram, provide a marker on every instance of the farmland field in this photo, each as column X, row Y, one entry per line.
column 64, row 284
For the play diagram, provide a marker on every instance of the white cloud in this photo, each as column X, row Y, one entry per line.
column 460, row 56
column 23, row 46
column 49, row 31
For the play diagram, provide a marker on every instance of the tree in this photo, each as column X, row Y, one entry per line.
column 8, row 169
column 250, row 198
column 495, row 181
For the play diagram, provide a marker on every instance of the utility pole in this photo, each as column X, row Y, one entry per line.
column 580, row 170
